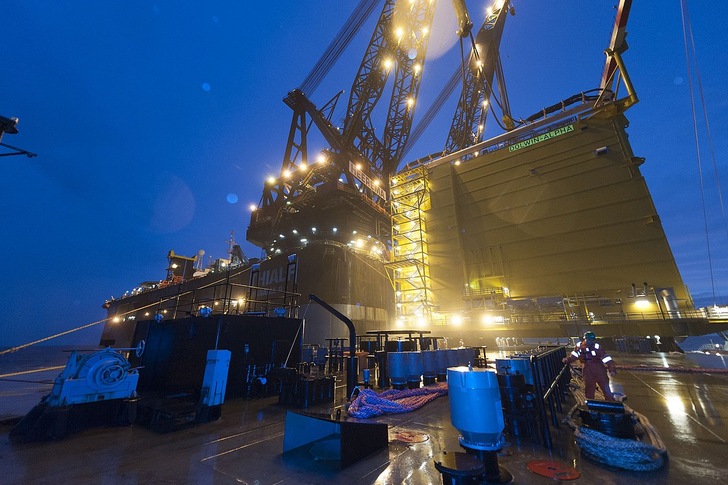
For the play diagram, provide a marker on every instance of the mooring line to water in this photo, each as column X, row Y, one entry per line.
column 32, row 371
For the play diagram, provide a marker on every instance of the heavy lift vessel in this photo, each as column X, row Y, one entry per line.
column 540, row 231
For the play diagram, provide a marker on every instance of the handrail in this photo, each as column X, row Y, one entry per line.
column 221, row 302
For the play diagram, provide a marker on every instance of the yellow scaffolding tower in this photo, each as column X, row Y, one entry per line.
column 410, row 198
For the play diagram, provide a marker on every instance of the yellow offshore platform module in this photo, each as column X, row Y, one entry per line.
column 552, row 223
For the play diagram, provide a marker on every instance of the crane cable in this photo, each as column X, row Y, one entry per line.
column 690, row 48
column 337, row 46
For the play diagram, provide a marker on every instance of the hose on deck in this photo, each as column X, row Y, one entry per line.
column 369, row 403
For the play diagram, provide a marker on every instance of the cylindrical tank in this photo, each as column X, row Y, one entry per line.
column 429, row 366
column 441, row 358
column 515, row 365
column 475, row 407
column 398, row 369
column 307, row 353
column 515, row 414
column 414, row 368
column 452, row 358
column 401, row 345
column 464, row 356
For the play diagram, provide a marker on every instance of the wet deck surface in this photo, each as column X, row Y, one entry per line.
column 688, row 409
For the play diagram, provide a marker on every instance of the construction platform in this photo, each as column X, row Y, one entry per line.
column 686, row 404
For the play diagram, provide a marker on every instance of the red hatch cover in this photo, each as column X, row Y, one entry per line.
column 553, row 469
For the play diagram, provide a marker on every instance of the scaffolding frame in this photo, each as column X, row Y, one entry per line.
column 410, row 200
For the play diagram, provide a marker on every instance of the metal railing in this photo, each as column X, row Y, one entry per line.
column 229, row 298
column 550, row 381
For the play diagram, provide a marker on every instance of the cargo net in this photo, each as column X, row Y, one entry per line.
column 369, row 403
column 646, row 454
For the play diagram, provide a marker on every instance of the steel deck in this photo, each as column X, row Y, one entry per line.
column 689, row 410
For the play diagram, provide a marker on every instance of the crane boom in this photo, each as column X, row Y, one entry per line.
column 617, row 44
column 465, row 25
column 348, row 187
column 484, row 62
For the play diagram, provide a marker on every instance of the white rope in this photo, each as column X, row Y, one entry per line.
column 51, row 337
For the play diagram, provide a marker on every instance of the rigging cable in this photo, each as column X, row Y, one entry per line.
column 337, row 46
column 433, row 110
column 690, row 46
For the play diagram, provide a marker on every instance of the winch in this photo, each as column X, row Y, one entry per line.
column 94, row 389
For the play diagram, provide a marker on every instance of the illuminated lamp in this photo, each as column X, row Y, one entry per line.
column 642, row 304
column 205, row 311
column 8, row 125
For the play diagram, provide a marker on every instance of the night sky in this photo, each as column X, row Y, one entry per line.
column 156, row 123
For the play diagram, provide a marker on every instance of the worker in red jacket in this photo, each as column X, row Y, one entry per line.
column 596, row 362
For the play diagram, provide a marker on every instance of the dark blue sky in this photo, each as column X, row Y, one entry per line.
column 150, row 117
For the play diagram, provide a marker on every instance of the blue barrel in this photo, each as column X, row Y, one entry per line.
column 398, row 369
column 452, row 358
column 475, row 407
column 441, row 357
column 414, row 368
column 429, row 366
column 307, row 353
column 466, row 356
column 516, row 365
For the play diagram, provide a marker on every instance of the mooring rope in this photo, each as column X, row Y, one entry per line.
column 627, row 454
column 369, row 403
